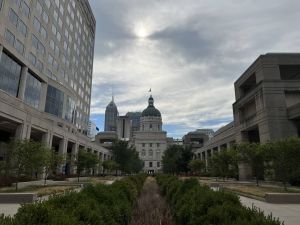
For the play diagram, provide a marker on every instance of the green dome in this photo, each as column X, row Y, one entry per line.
column 151, row 110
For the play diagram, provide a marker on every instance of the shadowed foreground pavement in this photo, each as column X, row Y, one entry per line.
column 289, row 213
column 151, row 207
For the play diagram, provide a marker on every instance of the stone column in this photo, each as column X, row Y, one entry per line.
column 74, row 158
column 43, row 97
column 47, row 139
column 22, row 85
column 1, row 49
column 63, row 150
column 23, row 131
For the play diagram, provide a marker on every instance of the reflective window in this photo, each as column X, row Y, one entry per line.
column 54, row 101
column 32, row 58
column 9, row 75
column 25, row 9
column 17, row 22
column 70, row 110
column 19, row 47
column 9, row 37
column 32, row 91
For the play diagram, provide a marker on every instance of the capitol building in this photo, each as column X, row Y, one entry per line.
column 143, row 130
column 151, row 141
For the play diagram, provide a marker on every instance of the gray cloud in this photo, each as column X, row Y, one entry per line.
column 192, row 53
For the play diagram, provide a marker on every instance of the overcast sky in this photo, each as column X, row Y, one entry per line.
column 189, row 52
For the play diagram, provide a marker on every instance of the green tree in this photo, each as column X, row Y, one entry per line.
column 254, row 155
column 285, row 156
column 224, row 163
column 171, row 159
column 110, row 165
column 186, row 157
column 197, row 165
column 25, row 158
column 126, row 156
column 85, row 161
column 52, row 160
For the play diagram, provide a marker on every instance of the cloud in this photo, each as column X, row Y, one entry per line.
column 190, row 56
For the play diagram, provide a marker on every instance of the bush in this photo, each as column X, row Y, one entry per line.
column 94, row 205
column 193, row 204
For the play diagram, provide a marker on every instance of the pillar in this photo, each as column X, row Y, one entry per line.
column 1, row 50
column 74, row 158
column 22, row 85
column 23, row 131
column 63, row 150
column 43, row 97
column 47, row 139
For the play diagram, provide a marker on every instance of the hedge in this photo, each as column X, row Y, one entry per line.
column 94, row 205
column 193, row 204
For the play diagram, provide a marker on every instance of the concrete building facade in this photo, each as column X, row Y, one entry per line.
column 267, row 106
column 151, row 141
column 46, row 61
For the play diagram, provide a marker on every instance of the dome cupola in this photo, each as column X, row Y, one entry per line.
column 151, row 110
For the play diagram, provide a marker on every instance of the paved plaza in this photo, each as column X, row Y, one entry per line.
column 289, row 213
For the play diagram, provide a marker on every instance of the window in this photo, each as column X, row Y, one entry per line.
column 150, row 144
column 45, row 17
column 25, row 9
column 143, row 144
column 22, row 28
column 54, row 101
column 37, row 25
column 13, row 18
column 19, row 47
column 17, row 22
column 9, row 74
column 143, row 152
column 157, row 144
column 150, row 153
column 32, row 58
column 39, row 66
column 32, row 91
column 150, row 164
column 37, row 45
column 48, row 3
column 9, row 37
column 70, row 110
column 150, row 126
column 39, row 8
column 158, row 164
column 43, row 32
column 1, row 4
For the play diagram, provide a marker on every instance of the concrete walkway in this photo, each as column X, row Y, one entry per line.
column 289, row 213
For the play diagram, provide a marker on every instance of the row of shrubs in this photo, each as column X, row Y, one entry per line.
column 193, row 204
column 94, row 205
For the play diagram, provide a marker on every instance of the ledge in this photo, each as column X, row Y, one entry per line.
column 18, row 197
column 283, row 198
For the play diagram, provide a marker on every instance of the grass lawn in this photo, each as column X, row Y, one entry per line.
column 39, row 190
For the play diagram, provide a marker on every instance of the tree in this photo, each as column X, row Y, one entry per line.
column 25, row 157
column 254, row 155
column 224, row 163
column 126, row 156
column 85, row 161
column 285, row 156
column 110, row 165
column 52, row 160
column 171, row 159
column 186, row 157
column 197, row 165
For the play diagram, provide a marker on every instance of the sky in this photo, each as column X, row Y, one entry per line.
column 189, row 52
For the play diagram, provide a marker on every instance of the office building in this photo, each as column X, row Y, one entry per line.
column 46, row 63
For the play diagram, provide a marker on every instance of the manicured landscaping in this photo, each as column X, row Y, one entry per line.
column 95, row 205
column 194, row 204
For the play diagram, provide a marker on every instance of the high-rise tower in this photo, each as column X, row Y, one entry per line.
column 111, row 116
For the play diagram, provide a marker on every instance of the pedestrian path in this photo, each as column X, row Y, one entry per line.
column 289, row 213
column 151, row 207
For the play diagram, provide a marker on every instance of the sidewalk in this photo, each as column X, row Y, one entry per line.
column 289, row 213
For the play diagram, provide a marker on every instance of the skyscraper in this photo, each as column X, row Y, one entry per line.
column 46, row 63
column 111, row 116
